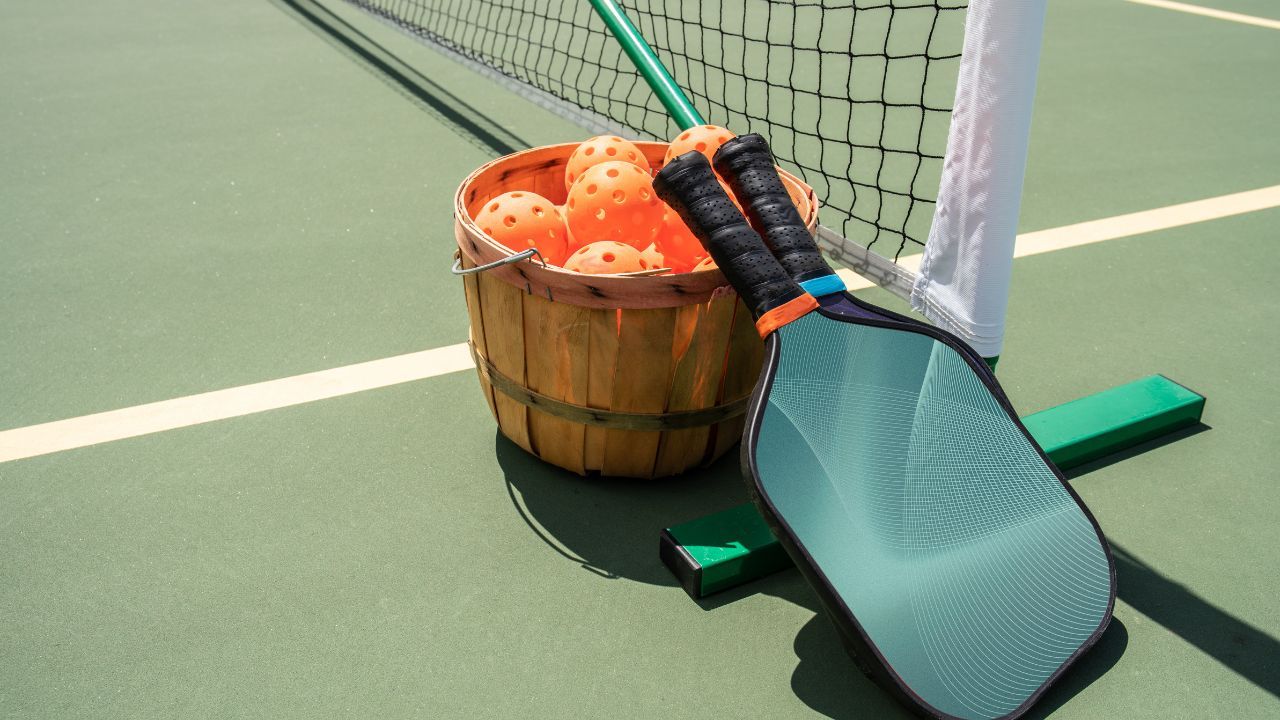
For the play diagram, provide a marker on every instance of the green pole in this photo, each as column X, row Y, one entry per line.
column 670, row 94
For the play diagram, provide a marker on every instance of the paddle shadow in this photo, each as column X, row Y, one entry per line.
column 822, row 678
column 1091, row 666
column 827, row 680
column 610, row 526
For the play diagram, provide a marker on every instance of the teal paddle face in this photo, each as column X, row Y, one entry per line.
column 935, row 530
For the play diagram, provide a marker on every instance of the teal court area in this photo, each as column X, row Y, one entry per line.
column 199, row 198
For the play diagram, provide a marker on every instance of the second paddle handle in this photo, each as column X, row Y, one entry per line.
column 691, row 188
column 747, row 165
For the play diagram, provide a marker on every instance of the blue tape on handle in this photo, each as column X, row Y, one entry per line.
column 825, row 285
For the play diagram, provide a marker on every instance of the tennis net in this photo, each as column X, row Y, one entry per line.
column 854, row 95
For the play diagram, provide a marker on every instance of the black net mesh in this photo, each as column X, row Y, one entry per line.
column 854, row 96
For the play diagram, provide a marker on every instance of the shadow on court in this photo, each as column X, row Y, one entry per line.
column 463, row 119
column 1246, row 650
column 828, row 681
column 1139, row 449
column 610, row 527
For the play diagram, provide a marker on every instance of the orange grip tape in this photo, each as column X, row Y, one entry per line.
column 785, row 313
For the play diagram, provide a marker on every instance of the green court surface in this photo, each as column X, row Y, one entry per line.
column 199, row 197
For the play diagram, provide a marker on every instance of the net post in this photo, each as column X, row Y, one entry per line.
column 963, row 283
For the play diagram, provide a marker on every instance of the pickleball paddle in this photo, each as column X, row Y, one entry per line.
column 963, row 573
column 743, row 162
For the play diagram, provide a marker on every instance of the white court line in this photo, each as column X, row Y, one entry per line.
column 1210, row 12
column 156, row 417
column 1043, row 241
column 180, row 412
column 1087, row 233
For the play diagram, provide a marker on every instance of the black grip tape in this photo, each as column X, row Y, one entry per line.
column 747, row 165
column 690, row 187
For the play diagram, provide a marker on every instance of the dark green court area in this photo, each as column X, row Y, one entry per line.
column 199, row 197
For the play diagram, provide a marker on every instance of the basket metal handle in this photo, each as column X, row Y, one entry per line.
column 457, row 268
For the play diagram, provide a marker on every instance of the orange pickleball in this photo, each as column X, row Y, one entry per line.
column 602, row 148
column 706, row 264
column 653, row 258
column 677, row 243
column 614, row 201
column 521, row 220
column 706, row 139
column 606, row 257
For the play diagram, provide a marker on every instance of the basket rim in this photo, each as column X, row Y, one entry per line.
column 594, row 291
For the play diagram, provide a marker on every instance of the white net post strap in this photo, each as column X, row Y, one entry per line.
column 963, row 284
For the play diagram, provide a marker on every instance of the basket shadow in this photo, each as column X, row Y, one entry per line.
column 610, row 526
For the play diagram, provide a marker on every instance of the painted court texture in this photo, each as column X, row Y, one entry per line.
column 200, row 198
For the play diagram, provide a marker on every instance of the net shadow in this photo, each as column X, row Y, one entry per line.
column 1247, row 651
column 463, row 119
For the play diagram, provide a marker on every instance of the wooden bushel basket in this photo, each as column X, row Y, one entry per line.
column 622, row 375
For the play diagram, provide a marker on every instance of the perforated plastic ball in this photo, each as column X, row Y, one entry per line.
column 521, row 220
column 706, row 139
column 606, row 257
column 573, row 242
column 706, row 264
column 653, row 258
column 602, row 148
column 614, row 201
column 677, row 243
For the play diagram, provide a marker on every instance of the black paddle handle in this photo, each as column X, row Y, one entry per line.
column 747, row 165
column 690, row 187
